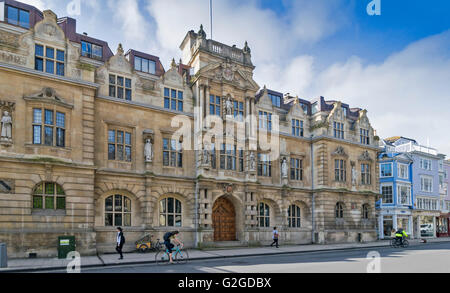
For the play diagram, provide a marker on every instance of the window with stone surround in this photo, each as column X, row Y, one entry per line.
column 265, row 120
column 296, row 169
column 49, row 196
column 170, row 212
column 339, row 211
column 338, row 130
column 49, row 127
column 294, row 216
column 215, row 105
column 365, row 174
column 117, row 211
column 365, row 211
column 263, row 212
column 297, row 128
column 120, row 87
column 49, row 60
column 172, row 153
column 119, row 145
column 173, row 99
column 228, row 156
column 264, row 165
column 238, row 110
column 364, row 136
column 340, row 170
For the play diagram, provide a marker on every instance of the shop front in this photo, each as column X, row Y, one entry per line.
column 443, row 225
column 392, row 220
column 425, row 224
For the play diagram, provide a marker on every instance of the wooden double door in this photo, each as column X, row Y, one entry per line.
column 224, row 220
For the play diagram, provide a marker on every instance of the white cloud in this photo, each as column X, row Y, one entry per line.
column 407, row 94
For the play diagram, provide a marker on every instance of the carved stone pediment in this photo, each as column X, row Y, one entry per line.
column 48, row 95
column 365, row 156
column 340, row 151
column 48, row 28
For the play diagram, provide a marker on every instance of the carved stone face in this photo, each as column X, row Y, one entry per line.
column 148, row 141
column 6, row 113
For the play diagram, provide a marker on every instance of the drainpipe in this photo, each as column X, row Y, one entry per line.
column 313, row 196
column 196, row 213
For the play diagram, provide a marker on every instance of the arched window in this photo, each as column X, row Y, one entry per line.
column 339, row 211
column 294, row 216
column 49, row 196
column 170, row 212
column 365, row 212
column 263, row 215
column 117, row 211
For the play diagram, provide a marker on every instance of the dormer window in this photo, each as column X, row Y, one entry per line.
column 344, row 111
column 16, row 16
column 297, row 128
column 144, row 65
column 91, row 50
column 265, row 120
column 276, row 100
column 49, row 60
column 173, row 99
column 364, row 136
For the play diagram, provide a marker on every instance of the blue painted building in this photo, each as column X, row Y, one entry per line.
column 411, row 171
column 395, row 208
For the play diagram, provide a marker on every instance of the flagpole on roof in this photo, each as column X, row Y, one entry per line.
column 211, row 18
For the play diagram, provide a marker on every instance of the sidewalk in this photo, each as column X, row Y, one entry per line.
column 23, row 265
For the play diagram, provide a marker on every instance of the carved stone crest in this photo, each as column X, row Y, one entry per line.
column 365, row 156
column 340, row 152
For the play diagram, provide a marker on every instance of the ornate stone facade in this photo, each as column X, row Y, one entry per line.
column 102, row 146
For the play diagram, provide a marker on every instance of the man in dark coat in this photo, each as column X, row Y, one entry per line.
column 120, row 242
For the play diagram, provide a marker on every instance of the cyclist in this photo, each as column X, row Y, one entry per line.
column 400, row 235
column 167, row 241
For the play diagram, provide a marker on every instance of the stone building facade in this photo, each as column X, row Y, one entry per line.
column 92, row 140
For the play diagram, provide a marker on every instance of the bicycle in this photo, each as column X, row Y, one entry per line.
column 395, row 243
column 145, row 244
column 179, row 256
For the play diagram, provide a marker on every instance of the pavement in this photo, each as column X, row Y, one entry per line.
column 111, row 260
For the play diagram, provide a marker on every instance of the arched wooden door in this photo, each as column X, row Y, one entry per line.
column 224, row 220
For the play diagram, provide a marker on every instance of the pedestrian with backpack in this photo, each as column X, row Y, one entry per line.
column 120, row 242
column 275, row 237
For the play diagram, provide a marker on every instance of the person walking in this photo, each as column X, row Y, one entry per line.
column 275, row 237
column 120, row 242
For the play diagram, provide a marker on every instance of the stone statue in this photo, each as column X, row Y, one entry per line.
column 206, row 156
column 229, row 107
column 252, row 161
column 354, row 176
column 148, row 151
column 284, row 168
column 6, row 122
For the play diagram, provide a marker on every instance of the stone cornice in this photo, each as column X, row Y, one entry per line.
column 32, row 72
column 143, row 105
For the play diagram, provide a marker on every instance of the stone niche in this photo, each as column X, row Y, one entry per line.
column 6, row 122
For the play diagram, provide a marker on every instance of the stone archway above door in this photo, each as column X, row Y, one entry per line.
column 224, row 220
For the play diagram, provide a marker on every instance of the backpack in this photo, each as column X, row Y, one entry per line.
column 167, row 236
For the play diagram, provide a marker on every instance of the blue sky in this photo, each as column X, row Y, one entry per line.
column 396, row 65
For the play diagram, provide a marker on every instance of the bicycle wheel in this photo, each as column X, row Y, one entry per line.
column 405, row 243
column 143, row 248
column 162, row 258
column 182, row 257
column 394, row 243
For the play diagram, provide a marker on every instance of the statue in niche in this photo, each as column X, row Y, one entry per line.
column 6, row 123
column 284, row 168
column 229, row 107
column 148, row 151
column 354, row 175
column 252, row 162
